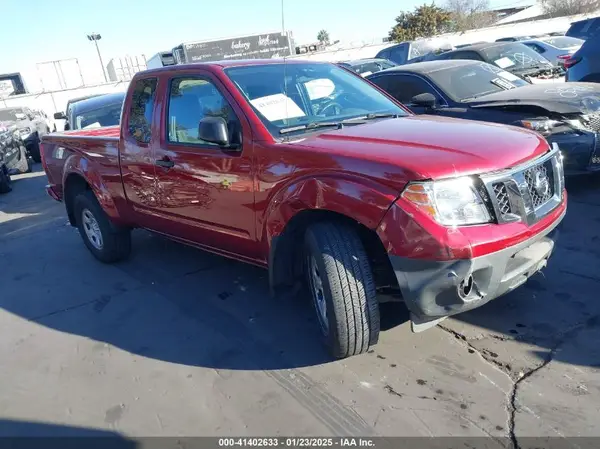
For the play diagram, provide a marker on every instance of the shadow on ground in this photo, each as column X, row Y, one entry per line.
column 27, row 206
column 556, row 305
column 177, row 304
column 26, row 434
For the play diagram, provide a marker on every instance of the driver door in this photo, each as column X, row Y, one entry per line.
column 206, row 193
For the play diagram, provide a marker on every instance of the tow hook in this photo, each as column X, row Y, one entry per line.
column 468, row 291
column 465, row 287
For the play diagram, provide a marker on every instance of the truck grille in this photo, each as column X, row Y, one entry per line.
column 541, row 191
column 502, row 198
column 594, row 122
column 595, row 159
column 529, row 192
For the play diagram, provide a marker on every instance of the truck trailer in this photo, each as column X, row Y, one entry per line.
column 257, row 46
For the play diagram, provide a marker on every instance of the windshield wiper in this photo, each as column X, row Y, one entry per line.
column 380, row 115
column 312, row 125
column 339, row 125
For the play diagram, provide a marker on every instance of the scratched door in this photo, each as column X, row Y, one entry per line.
column 205, row 192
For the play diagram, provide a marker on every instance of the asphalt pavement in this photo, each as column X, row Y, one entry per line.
column 179, row 342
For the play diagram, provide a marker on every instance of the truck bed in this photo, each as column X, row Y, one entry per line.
column 97, row 146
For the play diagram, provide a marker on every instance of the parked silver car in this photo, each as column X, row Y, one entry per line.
column 555, row 49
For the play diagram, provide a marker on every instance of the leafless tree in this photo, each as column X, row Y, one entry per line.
column 561, row 8
column 470, row 14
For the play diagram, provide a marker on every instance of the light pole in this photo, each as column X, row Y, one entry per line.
column 282, row 20
column 95, row 37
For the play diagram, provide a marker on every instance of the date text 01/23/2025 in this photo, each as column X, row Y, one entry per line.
column 296, row 442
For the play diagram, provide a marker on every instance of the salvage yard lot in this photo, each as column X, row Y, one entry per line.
column 178, row 342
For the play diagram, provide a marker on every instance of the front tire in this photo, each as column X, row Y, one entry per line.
column 341, row 284
column 104, row 241
column 4, row 180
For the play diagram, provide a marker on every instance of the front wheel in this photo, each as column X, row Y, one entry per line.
column 341, row 283
column 34, row 151
column 104, row 241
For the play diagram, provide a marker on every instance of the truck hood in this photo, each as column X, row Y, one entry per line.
column 563, row 98
column 427, row 147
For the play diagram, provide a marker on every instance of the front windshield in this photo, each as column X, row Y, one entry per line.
column 514, row 56
column 107, row 115
column 475, row 80
column 9, row 115
column 290, row 95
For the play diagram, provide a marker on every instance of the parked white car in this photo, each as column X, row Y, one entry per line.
column 555, row 48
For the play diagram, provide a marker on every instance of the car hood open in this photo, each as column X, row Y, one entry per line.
column 561, row 98
column 427, row 147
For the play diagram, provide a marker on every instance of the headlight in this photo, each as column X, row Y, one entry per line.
column 581, row 124
column 542, row 126
column 453, row 202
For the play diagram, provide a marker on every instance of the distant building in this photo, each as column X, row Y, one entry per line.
column 123, row 68
column 518, row 11
column 12, row 84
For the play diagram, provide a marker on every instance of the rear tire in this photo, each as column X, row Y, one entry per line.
column 341, row 283
column 4, row 180
column 107, row 243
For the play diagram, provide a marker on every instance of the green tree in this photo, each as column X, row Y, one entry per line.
column 470, row 14
column 323, row 37
column 424, row 21
column 561, row 8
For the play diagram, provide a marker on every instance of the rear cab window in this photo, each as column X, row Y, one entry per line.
column 141, row 110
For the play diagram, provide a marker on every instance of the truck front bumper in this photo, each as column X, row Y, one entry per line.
column 436, row 289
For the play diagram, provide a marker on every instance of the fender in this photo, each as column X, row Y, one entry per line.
column 353, row 197
column 76, row 164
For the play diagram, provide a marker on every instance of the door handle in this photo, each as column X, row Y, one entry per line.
column 165, row 163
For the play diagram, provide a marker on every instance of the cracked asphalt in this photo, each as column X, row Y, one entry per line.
column 178, row 342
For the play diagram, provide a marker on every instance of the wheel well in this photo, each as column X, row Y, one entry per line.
column 286, row 261
column 74, row 185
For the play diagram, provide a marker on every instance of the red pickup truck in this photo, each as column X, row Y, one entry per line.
column 314, row 173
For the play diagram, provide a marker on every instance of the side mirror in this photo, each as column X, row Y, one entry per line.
column 426, row 100
column 214, row 130
column 60, row 116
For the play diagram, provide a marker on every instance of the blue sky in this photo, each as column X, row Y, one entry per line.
column 48, row 30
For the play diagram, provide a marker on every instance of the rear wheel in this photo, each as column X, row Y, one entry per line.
column 107, row 243
column 34, row 151
column 341, row 283
column 4, row 180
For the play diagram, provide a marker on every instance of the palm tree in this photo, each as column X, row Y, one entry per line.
column 323, row 37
